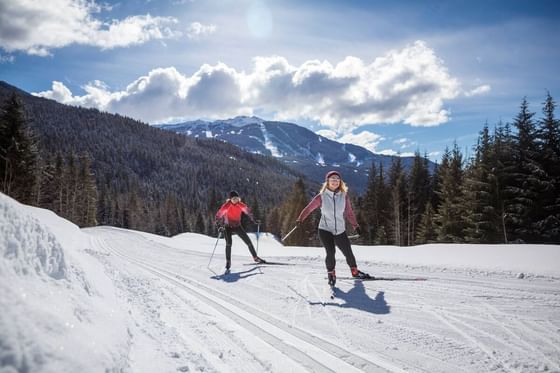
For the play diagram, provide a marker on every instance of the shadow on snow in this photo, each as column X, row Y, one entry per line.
column 236, row 276
column 356, row 298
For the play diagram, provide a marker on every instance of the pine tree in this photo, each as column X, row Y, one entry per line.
column 397, row 209
column 49, row 190
column 418, row 195
column 273, row 223
column 18, row 153
column 503, row 173
column 370, row 204
column 525, row 205
column 449, row 219
column 482, row 220
column 290, row 211
column 88, row 193
column 70, row 184
column 383, row 205
column 547, row 222
column 426, row 228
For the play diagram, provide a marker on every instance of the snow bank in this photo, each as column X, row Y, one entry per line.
column 27, row 246
column 534, row 259
column 59, row 312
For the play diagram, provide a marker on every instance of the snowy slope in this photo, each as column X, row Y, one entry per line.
column 59, row 311
column 155, row 304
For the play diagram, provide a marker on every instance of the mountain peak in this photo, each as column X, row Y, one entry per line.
column 241, row 121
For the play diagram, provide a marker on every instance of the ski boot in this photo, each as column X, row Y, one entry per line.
column 332, row 278
column 259, row 260
column 228, row 265
column 359, row 274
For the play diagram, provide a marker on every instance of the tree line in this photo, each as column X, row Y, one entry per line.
column 507, row 191
column 99, row 168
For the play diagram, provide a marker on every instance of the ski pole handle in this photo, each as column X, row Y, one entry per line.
column 289, row 233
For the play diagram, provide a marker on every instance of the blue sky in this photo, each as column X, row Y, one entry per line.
column 393, row 76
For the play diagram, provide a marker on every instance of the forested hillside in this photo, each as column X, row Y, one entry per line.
column 144, row 178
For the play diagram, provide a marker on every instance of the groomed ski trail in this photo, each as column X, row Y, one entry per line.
column 309, row 351
column 451, row 322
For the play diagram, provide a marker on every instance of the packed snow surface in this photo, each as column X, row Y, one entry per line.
column 108, row 299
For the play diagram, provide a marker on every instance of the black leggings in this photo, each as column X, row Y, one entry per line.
column 329, row 240
column 243, row 235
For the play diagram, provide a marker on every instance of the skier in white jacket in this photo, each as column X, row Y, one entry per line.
column 335, row 209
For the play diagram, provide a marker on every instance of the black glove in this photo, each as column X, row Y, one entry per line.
column 358, row 231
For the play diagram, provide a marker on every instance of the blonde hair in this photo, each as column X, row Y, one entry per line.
column 342, row 186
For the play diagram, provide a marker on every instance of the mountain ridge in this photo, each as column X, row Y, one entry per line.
column 295, row 145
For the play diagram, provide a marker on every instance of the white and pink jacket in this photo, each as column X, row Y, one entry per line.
column 335, row 207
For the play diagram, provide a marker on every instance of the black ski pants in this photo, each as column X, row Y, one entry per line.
column 228, row 231
column 329, row 241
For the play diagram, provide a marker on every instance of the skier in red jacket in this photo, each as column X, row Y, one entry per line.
column 228, row 218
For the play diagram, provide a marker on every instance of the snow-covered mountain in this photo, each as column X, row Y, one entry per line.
column 297, row 146
column 109, row 299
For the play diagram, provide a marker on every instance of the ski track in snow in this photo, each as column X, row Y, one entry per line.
column 280, row 318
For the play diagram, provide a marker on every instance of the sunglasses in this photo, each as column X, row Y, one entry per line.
column 334, row 179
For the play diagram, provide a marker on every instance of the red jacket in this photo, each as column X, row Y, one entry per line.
column 231, row 213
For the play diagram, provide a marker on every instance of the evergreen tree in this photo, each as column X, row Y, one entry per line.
column 18, row 153
column 49, row 188
column 503, row 174
column 528, row 179
column 547, row 221
column 397, row 209
column 370, row 205
column 426, row 229
column 273, row 223
column 290, row 210
column 87, row 194
column 449, row 219
column 482, row 219
column 418, row 195
column 70, row 184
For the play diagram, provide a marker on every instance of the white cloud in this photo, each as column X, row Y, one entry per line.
column 404, row 142
column 433, row 154
column 480, row 90
column 365, row 139
column 36, row 27
column 329, row 134
column 388, row 152
column 197, row 30
column 7, row 58
column 404, row 86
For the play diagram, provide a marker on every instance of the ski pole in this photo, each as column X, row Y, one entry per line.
column 289, row 233
column 211, row 256
column 258, row 234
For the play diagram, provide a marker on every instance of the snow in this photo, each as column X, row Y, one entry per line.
column 109, row 299
column 268, row 144
column 59, row 309
column 319, row 159
column 242, row 121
